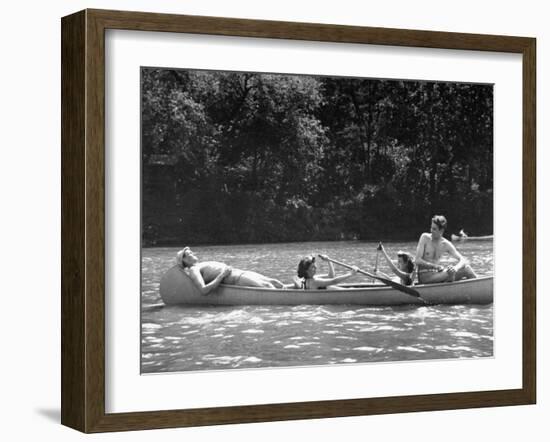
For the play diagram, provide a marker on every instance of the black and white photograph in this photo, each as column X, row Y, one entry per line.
column 303, row 220
column 260, row 221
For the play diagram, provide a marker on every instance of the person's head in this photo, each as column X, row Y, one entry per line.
column 405, row 262
column 186, row 258
column 439, row 224
column 307, row 267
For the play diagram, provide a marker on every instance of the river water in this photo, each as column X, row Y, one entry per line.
column 177, row 338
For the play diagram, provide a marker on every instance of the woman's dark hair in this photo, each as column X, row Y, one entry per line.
column 408, row 259
column 304, row 266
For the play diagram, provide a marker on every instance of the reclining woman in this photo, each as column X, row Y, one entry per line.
column 307, row 271
column 405, row 269
column 208, row 275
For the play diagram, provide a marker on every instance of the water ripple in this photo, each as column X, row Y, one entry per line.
column 176, row 338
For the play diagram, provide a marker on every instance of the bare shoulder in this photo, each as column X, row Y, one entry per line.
column 422, row 241
column 424, row 237
column 194, row 270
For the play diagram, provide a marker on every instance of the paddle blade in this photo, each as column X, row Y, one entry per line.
column 395, row 285
column 400, row 287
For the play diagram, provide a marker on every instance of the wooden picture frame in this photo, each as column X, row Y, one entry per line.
column 83, row 220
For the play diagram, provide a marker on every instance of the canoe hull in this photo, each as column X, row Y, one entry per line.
column 174, row 289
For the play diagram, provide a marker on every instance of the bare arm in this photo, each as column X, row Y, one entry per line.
column 323, row 282
column 451, row 250
column 393, row 268
column 331, row 273
column 196, row 277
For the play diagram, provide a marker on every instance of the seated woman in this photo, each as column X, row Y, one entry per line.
column 307, row 270
column 405, row 269
column 210, row 274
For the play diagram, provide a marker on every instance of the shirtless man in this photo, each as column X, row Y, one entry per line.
column 208, row 275
column 431, row 248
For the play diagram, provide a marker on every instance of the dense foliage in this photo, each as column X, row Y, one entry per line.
column 245, row 157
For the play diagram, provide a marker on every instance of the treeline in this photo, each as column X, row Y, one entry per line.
column 245, row 157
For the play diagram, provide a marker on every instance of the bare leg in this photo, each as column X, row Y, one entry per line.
column 276, row 283
column 253, row 279
column 465, row 272
column 433, row 277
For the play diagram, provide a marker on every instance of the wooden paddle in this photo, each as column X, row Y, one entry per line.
column 402, row 288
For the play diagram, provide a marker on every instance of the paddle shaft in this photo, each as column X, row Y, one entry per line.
column 347, row 266
column 396, row 285
column 376, row 265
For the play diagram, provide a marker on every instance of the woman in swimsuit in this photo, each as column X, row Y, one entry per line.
column 405, row 268
column 210, row 274
column 307, row 270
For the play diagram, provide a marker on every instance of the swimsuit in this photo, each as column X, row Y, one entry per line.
column 425, row 272
column 234, row 277
column 429, row 271
column 211, row 269
column 305, row 288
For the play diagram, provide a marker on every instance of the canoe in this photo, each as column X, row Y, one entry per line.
column 177, row 288
column 456, row 238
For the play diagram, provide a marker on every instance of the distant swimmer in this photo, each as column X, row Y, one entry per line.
column 462, row 236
